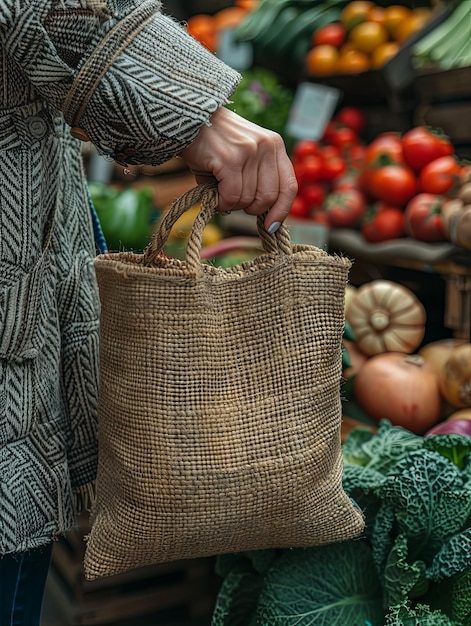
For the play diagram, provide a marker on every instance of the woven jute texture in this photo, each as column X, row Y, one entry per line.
column 219, row 402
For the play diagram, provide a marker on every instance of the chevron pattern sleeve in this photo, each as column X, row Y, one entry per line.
column 130, row 78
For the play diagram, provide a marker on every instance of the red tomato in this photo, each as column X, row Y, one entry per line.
column 319, row 217
column 333, row 167
column 344, row 138
column 382, row 223
column 352, row 117
column 423, row 217
column 329, row 130
column 441, row 176
column 395, row 184
column 304, row 148
column 313, row 195
column 299, row 208
column 345, row 208
column 356, row 156
column 349, row 180
column 333, row 34
column 421, row 146
column 310, row 169
column 384, row 150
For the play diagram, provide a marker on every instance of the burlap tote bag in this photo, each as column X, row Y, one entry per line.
column 219, row 402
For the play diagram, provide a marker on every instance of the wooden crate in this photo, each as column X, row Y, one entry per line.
column 453, row 118
column 165, row 594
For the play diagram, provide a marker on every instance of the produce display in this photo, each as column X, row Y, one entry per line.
column 330, row 36
column 412, row 567
column 447, row 45
column 397, row 185
column 390, row 375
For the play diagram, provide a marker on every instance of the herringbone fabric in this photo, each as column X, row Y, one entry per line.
column 49, row 304
column 219, row 402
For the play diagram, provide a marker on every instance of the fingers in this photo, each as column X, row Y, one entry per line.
column 250, row 164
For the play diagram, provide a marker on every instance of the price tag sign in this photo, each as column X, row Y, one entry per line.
column 312, row 108
column 236, row 54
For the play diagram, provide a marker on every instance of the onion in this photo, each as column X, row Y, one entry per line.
column 451, row 427
column 400, row 388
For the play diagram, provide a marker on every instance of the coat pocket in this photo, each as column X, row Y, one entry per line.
column 26, row 309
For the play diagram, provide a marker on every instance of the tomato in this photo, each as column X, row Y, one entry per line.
column 319, row 217
column 299, row 208
column 395, row 184
column 327, row 152
column 309, row 170
column 349, row 180
column 423, row 217
column 352, row 117
column 329, row 131
column 382, row 223
column 344, row 138
column 345, row 208
column 313, row 195
column 356, row 156
column 304, row 148
column 333, row 34
column 441, row 176
column 385, row 149
column 333, row 167
column 421, row 146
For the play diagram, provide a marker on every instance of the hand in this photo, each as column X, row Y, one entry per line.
column 250, row 164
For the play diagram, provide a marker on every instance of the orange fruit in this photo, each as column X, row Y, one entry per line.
column 202, row 27
column 248, row 5
column 353, row 62
column 321, row 60
column 383, row 53
column 355, row 12
column 367, row 36
column 394, row 15
column 229, row 17
column 376, row 14
column 410, row 25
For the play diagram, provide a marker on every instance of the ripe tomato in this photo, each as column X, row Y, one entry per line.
column 423, row 217
column 299, row 208
column 333, row 167
column 395, row 184
column 385, row 149
column 422, row 146
column 349, row 180
column 319, row 217
column 344, row 138
column 441, row 176
column 304, row 148
column 352, row 117
column 309, row 170
column 382, row 223
column 356, row 156
column 333, row 34
column 345, row 208
column 313, row 195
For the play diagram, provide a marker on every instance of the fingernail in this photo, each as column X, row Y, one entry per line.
column 274, row 227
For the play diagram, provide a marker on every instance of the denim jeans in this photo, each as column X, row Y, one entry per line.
column 22, row 582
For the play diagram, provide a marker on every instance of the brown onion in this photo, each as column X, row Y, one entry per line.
column 400, row 388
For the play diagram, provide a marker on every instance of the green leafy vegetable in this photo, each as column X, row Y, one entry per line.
column 411, row 568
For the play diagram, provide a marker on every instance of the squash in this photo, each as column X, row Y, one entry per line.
column 438, row 352
column 455, row 377
column 386, row 317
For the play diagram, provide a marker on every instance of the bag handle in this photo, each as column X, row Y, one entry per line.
column 277, row 243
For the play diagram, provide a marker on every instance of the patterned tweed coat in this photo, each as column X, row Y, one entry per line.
column 140, row 89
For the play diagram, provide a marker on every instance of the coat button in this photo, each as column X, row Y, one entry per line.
column 37, row 127
column 79, row 133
